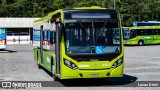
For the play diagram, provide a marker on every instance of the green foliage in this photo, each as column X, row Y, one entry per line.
column 130, row 10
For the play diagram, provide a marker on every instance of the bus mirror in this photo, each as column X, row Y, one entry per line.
column 58, row 20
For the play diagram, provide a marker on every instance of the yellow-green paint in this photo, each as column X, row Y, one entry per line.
column 102, row 67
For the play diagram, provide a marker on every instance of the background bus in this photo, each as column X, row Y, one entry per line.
column 2, row 38
column 88, row 43
column 143, row 35
column 145, row 23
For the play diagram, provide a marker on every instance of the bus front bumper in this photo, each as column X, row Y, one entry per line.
column 71, row 74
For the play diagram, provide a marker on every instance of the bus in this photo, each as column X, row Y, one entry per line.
column 145, row 23
column 2, row 38
column 85, row 42
column 143, row 35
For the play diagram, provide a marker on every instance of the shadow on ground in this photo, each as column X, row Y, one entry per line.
column 7, row 51
column 126, row 80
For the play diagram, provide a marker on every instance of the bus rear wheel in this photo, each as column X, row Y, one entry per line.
column 53, row 75
column 140, row 42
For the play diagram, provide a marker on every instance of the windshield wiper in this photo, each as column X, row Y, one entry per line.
column 83, row 28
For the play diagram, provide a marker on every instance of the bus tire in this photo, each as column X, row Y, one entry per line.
column 53, row 75
column 140, row 42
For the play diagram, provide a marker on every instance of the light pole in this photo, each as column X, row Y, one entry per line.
column 114, row 4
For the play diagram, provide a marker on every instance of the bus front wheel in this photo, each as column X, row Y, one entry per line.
column 140, row 42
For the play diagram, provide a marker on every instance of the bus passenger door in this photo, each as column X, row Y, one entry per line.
column 41, row 44
column 149, row 37
column 58, row 48
column 133, row 36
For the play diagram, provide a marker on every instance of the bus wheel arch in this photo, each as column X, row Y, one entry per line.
column 140, row 42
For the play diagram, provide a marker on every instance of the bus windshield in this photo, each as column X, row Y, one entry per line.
column 92, row 37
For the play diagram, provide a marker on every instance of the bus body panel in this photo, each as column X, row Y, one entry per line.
column 93, row 69
column 156, row 39
column 148, row 39
column 48, row 58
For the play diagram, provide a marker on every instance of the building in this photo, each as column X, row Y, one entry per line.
column 19, row 30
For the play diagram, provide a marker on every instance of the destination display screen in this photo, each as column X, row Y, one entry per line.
column 90, row 15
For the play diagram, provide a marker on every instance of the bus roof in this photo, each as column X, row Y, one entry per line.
column 49, row 16
column 145, row 27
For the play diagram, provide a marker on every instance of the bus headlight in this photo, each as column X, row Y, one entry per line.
column 117, row 63
column 70, row 64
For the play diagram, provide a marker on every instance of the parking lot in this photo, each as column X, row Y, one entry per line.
column 142, row 63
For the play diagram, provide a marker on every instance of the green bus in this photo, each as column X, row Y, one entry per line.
column 142, row 35
column 84, row 42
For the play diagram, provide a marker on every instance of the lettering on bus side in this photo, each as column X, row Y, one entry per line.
column 37, row 32
column 84, row 65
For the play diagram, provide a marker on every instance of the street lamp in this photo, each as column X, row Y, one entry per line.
column 114, row 4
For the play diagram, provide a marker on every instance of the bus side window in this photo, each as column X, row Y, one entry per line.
column 48, row 35
column 157, row 32
column 43, row 35
column 140, row 32
column 52, row 35
column 149, row 32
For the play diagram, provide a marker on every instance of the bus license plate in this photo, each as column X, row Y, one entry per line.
column 94, row 75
